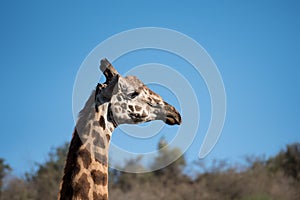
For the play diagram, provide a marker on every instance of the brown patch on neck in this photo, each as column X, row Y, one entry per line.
column 101, row 158
column 107, row 137
column 99, row 177
column 98, row 140
column 102, row 122
column 82, row 188
column 66, row 191
column 85, row 155
column 99, row 196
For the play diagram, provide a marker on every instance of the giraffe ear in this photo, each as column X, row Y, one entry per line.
column 112, row 87
column 108, row 70
column 104, row 92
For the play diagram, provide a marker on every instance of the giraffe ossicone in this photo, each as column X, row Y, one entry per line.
column 119, row 100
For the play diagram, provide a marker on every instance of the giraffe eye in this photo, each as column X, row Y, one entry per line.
column 133, row 95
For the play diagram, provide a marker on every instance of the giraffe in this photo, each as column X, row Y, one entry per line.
column 119, row 100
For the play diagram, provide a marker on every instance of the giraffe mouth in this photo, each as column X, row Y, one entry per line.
column 172, row 120
column 172, row 116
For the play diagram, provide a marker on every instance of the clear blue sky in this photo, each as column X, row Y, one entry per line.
column 255, row 45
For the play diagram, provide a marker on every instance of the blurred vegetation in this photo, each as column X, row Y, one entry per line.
column 4, row 169
column 277, row 177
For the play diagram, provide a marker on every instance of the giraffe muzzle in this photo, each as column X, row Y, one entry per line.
column 172, row 116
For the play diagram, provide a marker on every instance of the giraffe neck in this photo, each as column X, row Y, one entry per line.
column 86, row 170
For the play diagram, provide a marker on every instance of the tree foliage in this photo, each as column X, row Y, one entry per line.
column 41, row 184
column 166, row 156
column 46, row 180
column 4, row 169
column 261, row 179
column 287, row 161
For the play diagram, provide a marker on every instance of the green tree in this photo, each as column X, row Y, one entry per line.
column 46, row 179
column 126, row 181
column 287, row 161
column 168, row 155
column 4, row 169
column 18, row 189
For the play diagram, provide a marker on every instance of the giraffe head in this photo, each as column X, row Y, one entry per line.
column 132, row 102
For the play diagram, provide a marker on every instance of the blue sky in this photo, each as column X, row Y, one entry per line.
column 255, row 45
